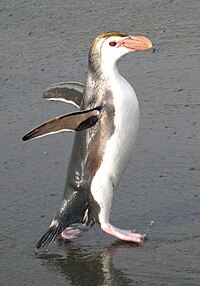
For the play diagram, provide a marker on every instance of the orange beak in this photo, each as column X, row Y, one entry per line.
column 137, row 43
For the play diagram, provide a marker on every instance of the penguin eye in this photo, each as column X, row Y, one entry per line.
column 112, row 44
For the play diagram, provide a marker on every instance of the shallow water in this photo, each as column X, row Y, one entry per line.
column 44, row 43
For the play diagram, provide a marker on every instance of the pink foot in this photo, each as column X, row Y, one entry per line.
column 69, row 233
column 122, row 234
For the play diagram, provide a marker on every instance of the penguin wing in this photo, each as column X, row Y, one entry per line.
column 75, row 121
column 69, row 92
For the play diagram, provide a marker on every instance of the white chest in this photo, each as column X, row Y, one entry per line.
column 120, row 146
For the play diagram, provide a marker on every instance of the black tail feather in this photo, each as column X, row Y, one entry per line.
column 49, row 236
column 77, row 209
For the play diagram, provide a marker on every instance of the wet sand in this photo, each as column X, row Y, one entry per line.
column 44, row 43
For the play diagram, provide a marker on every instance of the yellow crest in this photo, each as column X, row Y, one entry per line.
column 106, row 36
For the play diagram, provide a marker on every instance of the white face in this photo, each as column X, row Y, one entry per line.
column 112, row 49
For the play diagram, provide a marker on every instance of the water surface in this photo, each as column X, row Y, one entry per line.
column 47, row 42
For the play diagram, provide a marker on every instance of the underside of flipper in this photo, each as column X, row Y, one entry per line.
column 69, row 92
column 75, row 121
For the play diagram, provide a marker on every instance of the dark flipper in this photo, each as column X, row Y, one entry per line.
column 75, row 121
column 69, row 92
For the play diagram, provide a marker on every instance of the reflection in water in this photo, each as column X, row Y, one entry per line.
column 81, row 267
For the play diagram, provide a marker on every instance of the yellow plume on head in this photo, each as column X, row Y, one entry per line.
column 106, row 36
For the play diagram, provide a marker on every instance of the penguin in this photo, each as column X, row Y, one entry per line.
column 105, row 127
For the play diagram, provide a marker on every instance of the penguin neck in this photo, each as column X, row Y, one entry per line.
column 100, row 78
column 110, row 70
column 103, row 71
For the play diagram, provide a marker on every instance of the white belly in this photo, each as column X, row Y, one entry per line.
column 118, row 148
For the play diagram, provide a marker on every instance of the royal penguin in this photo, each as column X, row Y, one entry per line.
column 105, row 132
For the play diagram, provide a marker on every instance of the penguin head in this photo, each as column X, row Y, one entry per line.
column 108, row 48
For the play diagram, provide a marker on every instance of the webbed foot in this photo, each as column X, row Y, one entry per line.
column 70, row 233
column 126, row 235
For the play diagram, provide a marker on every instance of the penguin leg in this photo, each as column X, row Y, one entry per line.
column 69, row 233
column 103, row 195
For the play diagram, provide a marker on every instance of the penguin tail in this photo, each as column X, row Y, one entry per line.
column 54, row 230
column 79, row 209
